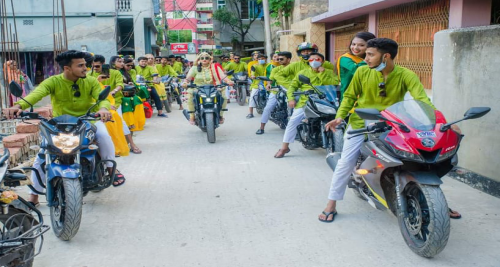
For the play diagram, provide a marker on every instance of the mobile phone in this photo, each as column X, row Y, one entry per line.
column 105, row 69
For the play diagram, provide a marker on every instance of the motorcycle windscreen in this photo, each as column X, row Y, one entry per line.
column 330, row 91
column 416, row 114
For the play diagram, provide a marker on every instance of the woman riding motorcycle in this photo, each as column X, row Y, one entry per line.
column 204, row 72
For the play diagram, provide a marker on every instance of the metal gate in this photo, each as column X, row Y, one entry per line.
column 413, row 26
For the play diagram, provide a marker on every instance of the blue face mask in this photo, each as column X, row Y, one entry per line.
column 262, row 61
column 315, row 64
column 381, row 67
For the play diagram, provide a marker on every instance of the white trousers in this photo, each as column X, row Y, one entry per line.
column 126, row 130
column 291, row 127
column 251, row 101
column 270, row 105
column 106, row 150
column 345, row 166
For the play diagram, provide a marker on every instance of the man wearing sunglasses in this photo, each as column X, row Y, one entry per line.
column 71, row 93
column 114, row 80
column 237, row 66
column 378, row 85
column 283, row 58
column 318, row 76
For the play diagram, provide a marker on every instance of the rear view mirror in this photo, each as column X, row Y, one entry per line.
column 368, row 113
column 181, row 76
column 104, row 93
column 304, row 79
column 230, row 72
column 476, row 112
column 15, row 89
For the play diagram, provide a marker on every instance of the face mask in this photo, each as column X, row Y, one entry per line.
column 306, row 57
column 262, row 61
column 315, row 64
column 381, row 67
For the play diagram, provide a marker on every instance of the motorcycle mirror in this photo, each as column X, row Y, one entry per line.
column 104, row 93
column 181, row 76
column 230, row 72
column 15, row 89
column 476, row 112
column 368, row 113
column 304, row 79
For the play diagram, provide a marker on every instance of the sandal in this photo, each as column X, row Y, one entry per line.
column 119, row 179
column 221, row 120
column 281, row 153
column 328, row 215
column 135, row 150
column 454, row 214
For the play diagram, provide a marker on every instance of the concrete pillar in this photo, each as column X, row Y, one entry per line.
column 469, row 13
column 372, row 22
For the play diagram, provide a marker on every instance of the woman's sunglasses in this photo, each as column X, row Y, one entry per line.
column 382, row 93
column 76, row 88
column 205, row 58
column 314, row 59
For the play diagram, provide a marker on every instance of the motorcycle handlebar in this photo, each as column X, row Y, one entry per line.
column 368, row 128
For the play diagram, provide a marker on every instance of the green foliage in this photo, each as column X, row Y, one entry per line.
column 180, row 36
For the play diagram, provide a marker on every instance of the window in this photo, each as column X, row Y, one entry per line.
column 28, row 22
column 250, row 9
column 180, row 36
column 178, row 14
column 221, row 4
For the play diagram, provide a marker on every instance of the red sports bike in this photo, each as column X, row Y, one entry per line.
column 408, row 149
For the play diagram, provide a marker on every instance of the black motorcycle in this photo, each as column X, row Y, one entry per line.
column 241, row 87
column 172, row 88
column 261, row 97
column 19, row 229
column 321, row 108
column 280, row 114
column 72, row 165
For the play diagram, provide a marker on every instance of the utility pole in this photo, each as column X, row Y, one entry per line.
column 267, row 29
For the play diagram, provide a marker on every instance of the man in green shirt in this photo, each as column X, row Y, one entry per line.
column 237, row 65
column 318, row 76
column 71, row 93
column 258, row 69
column 225, row 61
column 114, row 80
column 178, row 64
column 283, row 59
column 165, row 69
column 147, row 72
column 378, row 85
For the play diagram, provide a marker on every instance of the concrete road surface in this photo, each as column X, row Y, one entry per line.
column 190, row 203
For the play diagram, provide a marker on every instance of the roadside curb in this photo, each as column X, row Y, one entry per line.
column 476, row 181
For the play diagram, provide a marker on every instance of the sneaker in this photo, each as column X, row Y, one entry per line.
column 249, row 116
column 259, row 131
column 163, row 115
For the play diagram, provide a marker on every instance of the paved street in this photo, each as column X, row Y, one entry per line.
column 190, row 203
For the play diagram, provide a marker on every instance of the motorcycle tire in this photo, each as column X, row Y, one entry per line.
column 66, row 214
column 15, row 220
column 167, row 105
column 209, row 117
column 242, row 95
column 425, row 225
column 336, row 142
column 303, row 133
column 260, row 110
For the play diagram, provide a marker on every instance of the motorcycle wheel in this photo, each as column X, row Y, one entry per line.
column 167, row 105
column 66, row 213
column 303, row 134
column 260, row 110
column 425, row 225
column 242, row 95
column 209, row 117
column 12, row 223
column 336, row 141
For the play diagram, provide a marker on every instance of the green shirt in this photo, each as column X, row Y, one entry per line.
column 115, row 79
column 132, row 74
column 178, row 67
column 260, row 70
column 62, row 95
column 280, row 80
column 224, row 64
column 237, row 67
column 146, row 72
column 166, row 70
column 317, row 78
column 365, row 85
column 293, row 68
column 201, row 78
column 347, row 69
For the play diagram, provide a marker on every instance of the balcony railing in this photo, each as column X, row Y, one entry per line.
column 208, row 21
column 204, row 1
column 124, row 5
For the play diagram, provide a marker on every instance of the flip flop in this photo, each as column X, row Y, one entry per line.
column 280, row 156
column 135, row 151
column 327, row 215
column 119, row 177
column 453, row 214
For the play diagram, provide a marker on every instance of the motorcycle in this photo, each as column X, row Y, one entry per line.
column 72, row 165
column 20, row 230
column 280, row 113
column 208, row 105
column 241, row 86
column 172, row 88
column 408, row 149
column 261, row 97
column 320, row 108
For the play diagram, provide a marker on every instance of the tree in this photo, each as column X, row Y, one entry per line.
column 232, row 17
column 281, row 11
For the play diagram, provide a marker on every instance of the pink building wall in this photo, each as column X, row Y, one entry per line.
column 182, row 24
column 469, row 13
column 186, row 5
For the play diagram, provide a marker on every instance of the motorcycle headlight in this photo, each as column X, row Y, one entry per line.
column 447, row 154
column 326, row 109
column 208, row 100
column 66, row 142
column 213, row 94
column 408, row 155
column 203, row 95
column 242, row 78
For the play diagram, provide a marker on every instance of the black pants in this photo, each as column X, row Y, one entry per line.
column 156, row 99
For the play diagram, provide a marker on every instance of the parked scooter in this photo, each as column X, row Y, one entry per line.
column 408, row 149
column 321, row 108
column 20, row 230
column 72, row 165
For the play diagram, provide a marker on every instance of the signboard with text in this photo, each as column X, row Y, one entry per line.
column 179, row 48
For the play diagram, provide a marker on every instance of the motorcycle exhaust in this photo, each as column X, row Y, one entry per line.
column 332, row 159
column 186, row 114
